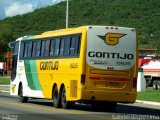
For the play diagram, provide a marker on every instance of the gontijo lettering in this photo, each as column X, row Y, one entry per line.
column 110, row 55
column 49, row 65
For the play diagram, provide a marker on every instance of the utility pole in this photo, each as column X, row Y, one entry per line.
column 67, row 11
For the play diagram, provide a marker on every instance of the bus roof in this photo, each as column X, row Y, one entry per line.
column 67, row 31
column 63, row 31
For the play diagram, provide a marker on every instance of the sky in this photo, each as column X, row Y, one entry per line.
column 9, row 8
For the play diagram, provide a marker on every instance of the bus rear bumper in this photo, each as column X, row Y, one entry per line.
column 110, row 96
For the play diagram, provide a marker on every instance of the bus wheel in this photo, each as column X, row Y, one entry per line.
column 56, row 101
column 22, row 98
column 65, row 104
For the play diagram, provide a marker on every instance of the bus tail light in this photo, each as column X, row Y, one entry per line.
column 135, row 83
column 83, row 79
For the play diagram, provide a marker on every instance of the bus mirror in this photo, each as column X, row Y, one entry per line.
column 11, row 45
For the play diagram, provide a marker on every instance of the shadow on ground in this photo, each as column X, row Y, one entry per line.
column 121, row 108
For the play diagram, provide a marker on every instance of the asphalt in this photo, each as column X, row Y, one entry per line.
column 5, row 89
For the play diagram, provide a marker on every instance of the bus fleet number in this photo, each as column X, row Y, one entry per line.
column 74, row 65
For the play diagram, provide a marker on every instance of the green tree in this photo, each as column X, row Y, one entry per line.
column 6, row 36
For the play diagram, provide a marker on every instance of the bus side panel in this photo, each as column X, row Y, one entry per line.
column 67, row 71
column 60, row 71
column 27, row 76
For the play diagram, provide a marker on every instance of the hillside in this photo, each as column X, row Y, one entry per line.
column 144, row 15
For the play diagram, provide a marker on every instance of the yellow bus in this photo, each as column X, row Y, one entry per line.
column 88, row 64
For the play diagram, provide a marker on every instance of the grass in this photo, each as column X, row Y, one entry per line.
column 149, row 95
column 5, row 80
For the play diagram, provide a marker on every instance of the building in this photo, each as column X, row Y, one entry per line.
column 145, row 52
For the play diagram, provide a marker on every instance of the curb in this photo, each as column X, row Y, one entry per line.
column 4, row 85
column 3, row 91
column 148, row 102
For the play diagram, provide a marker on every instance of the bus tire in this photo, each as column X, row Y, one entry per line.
column 65, row 104
column 22, row 98
column 56, row 100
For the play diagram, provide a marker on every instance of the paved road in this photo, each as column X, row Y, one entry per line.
column 10, row 107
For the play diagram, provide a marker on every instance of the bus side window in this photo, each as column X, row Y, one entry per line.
column 29, row 49
column 43, row 48
column 21, row 49
column 67, row 46
column 47, row 47
column 72, row 46
column 56, row 52
column 26, row 44
column 34, row 49
column 77, row 47
column 38, row 49
column 52, row 47
column 62, row 43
